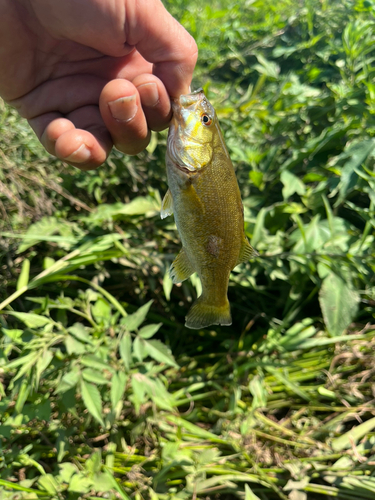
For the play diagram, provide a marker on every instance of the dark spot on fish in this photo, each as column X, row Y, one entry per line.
column 214, row 245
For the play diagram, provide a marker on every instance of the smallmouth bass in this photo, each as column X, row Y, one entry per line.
column 206, row 202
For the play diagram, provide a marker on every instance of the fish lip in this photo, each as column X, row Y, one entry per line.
column 186, row 100
column 182, row 102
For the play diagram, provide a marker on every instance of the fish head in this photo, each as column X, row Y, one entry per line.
column 192, row 132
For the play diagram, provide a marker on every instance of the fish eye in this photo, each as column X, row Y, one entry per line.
column 206, row 119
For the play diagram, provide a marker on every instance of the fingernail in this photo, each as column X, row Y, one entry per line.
column 124, row 109
column 149, row 94
column 80, row 155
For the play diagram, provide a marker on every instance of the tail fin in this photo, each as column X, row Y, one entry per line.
column 203, row 314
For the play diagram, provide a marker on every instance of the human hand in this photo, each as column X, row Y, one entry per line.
column 90, row 74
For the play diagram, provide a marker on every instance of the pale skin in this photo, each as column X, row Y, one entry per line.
column 90, row 74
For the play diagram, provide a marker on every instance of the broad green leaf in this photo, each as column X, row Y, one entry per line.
column 93, row 361
column 292, row 184
column 93, row 402
column 339, row 304
column 249, row 495
column 160, row 352
column 149, row 331
column 133, row 321
column 101, row 311
column 24, row 275
column 68, row 381
column 139, row 348
column 125, row 350
column 93, row 463
column 256, row 177
column 48, row 482
column 22, row 395
column 43, row 231
column 103, row 481
column 27, row 363
column 158, row 393
column 106, row 480
column 141, row 205
column 31, row 320
column 259, row 392
column 357, row 153
column 80, row 332
column 67, row 470
column 13, row 334
column 94, row 376
column 139, row 391
column 316, row 234
column 80, row 484
column 44, row 360
column 74, row 346
column 118, row 384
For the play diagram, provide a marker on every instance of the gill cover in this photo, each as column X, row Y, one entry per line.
column 191, row 135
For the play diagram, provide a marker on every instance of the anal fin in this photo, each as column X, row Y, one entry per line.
column 181, row 267
column 167, row 205
column 247, row 252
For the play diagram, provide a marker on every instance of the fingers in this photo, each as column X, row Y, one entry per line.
column 84, row 136
column 155, row 101
column 63, row 94
column 129, row 110
column 115, row 27
column 81, row 139
column 164, row 42
column 65, row 116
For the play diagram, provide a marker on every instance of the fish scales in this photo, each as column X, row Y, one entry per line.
column 205, row 199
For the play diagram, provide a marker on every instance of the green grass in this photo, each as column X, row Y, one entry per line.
column 104, row 393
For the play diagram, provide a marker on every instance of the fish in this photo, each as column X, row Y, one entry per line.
column 205, row 199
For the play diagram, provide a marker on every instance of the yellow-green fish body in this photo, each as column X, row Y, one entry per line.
column 205, row 199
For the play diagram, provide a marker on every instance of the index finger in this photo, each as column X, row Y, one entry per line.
column 163, row 41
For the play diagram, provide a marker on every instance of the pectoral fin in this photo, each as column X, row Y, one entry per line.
column 167, row 205
column 247, row 252
column 181, row 267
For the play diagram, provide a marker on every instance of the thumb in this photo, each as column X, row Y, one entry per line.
column 161, row 40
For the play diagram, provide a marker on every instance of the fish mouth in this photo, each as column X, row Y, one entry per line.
column 185, row 101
